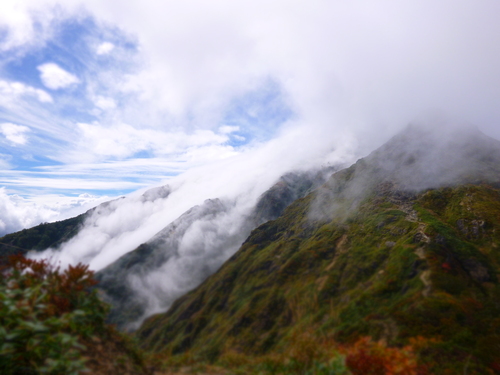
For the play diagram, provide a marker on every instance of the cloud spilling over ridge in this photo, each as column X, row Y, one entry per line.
column 192, row 67
column 232, row 93
column 123, row 224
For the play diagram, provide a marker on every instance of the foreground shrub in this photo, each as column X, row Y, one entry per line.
column 43, row 313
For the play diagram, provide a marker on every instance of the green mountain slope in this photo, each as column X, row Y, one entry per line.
column 403, row 244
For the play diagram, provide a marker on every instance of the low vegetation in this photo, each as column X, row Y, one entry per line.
column 52, row 323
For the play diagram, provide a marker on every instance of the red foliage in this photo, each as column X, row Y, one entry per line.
column 65, row 287
column 446, row 266
column 366, row 357
column 496, row 367
column 362, row 362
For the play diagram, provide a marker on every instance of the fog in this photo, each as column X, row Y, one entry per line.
column 427, row 154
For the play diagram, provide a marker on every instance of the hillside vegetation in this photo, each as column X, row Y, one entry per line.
column 365, row 256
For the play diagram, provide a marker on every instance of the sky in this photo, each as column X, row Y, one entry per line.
column 100, row 99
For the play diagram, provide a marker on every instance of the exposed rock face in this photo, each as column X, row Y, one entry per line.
column 477, row 270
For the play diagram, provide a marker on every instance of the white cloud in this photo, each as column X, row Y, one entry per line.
column 11, row 91
column 240, row 180
column 104, row 48
column 54, row 77
column 239, row 138
column 25, row 23
column 18, row 212
column 104, row 103
column 346, row 70
column 14, row 133
column 123, row 140
column 227, row 129
column 69, row 183
column 5, row 161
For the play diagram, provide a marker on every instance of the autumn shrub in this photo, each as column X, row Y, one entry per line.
column 367, row 357
column 43, row 313
column 306, row 354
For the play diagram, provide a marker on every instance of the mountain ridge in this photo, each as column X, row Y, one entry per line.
column 366, row 254
column 130, row 303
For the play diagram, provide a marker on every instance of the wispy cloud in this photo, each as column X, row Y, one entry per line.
column 12, row 91
column 14, row 133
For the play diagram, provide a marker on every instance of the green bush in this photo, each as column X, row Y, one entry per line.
column 43, row 313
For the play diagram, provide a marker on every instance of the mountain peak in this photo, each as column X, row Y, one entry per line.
column 422, row 157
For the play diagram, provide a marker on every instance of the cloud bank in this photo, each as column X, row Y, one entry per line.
column 17, row 212
column 110, row 91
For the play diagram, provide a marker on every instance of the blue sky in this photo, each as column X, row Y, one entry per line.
column 62, row 99
column 101, row 98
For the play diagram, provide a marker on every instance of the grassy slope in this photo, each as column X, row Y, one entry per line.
column 396, row 267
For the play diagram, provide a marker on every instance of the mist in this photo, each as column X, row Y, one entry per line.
column 166, row 81
column 426, row 154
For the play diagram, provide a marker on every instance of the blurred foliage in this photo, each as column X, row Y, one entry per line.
column 45, row 316
column 43, row 312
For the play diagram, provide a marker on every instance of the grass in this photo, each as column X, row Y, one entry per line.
column 352, row 278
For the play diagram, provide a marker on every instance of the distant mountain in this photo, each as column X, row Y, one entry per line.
column 175, row 260
column 45, row 235
column 402, row 245
column 53, row 235
column 40, row 237
column 133, row 284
